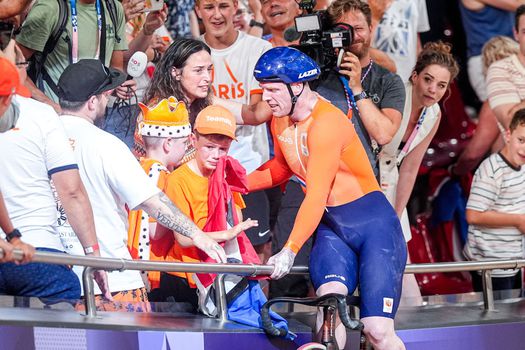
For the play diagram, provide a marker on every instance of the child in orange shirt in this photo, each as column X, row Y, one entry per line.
column 206, row 189
column 165, row 130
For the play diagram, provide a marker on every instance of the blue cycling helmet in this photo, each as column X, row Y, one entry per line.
column 286, row 65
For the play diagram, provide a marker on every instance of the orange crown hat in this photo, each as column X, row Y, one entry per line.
column 168, row 118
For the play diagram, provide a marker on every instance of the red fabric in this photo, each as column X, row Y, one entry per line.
column 228, row 176
column 425, row 247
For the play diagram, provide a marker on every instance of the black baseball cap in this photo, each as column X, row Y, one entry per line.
column 86, row 78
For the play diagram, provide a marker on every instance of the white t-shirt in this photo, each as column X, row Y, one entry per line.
column 506, row 82
column 396, row 33
column 31, row 152
column 233, row 80
column 114, row 181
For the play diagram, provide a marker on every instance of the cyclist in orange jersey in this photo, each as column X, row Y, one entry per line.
column 358, row 235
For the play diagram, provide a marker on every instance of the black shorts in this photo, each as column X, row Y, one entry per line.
column 173, row 295
column 258, row 208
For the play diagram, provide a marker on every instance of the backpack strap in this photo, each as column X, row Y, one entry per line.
column 110, row 5
column 37, row 71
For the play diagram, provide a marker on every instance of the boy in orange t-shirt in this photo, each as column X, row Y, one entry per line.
column 190, row 187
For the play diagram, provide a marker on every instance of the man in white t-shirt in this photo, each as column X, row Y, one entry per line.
column 234, row 54
column 114, row 179
column 35, row 149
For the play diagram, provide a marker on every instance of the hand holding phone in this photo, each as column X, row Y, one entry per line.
column 153, row 5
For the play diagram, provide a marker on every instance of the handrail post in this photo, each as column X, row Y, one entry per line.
column 89, row 291
column 488, row 294
column 220, row 298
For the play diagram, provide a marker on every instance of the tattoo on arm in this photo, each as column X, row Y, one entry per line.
column 171, row 217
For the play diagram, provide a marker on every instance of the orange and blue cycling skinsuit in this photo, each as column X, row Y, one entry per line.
column 358, row 235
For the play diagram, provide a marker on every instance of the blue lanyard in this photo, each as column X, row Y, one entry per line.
column 350, row 100
column 74, row 26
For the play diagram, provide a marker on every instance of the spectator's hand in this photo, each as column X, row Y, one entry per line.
column 155, row 20
column 351, row 68
column 126, row 90
column 282, row 262
column 133, row 8
column 27, row 250
column 237, row 229
column 101, row 277
column 255, row 7
column 159, row 43
column 8, row 251
column 210, row 247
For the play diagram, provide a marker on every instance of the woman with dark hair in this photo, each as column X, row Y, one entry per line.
column 400, row 159
column 184, row 71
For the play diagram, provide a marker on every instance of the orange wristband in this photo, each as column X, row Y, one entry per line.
column 292, row 246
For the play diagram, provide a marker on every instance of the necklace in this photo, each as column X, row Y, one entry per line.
column 367, row 70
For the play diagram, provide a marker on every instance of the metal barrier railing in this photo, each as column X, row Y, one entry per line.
column 109, row 264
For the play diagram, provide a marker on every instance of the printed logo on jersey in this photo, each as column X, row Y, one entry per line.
column 285, row 139
column 228, row 91
column 388, row 305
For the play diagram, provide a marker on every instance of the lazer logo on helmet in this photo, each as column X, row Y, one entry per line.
column 307, row 74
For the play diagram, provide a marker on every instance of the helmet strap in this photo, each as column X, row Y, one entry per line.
column 294, row 97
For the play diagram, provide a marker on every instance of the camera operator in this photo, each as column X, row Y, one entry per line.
column 373, row 96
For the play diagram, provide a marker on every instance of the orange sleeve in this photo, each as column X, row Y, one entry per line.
column 177, row 196
column 238, row 200
column 272, row 173
column 325, row 143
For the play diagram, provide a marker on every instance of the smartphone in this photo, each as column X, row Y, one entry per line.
column 153, row 5
column 6, row 33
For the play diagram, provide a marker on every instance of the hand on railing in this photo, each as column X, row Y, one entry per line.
column 18, row 252
column 282, row 262
column 28, row 251
column 101, row 277
column 6, row 251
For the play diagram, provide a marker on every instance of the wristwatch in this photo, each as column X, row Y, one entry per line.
column 254, row 23
column 360, row 96
column 14, row 234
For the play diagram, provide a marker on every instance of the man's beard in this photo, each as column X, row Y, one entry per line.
column 362, row 52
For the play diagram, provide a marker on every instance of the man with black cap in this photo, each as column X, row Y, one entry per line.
column 35, row 149
column 114, row 179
